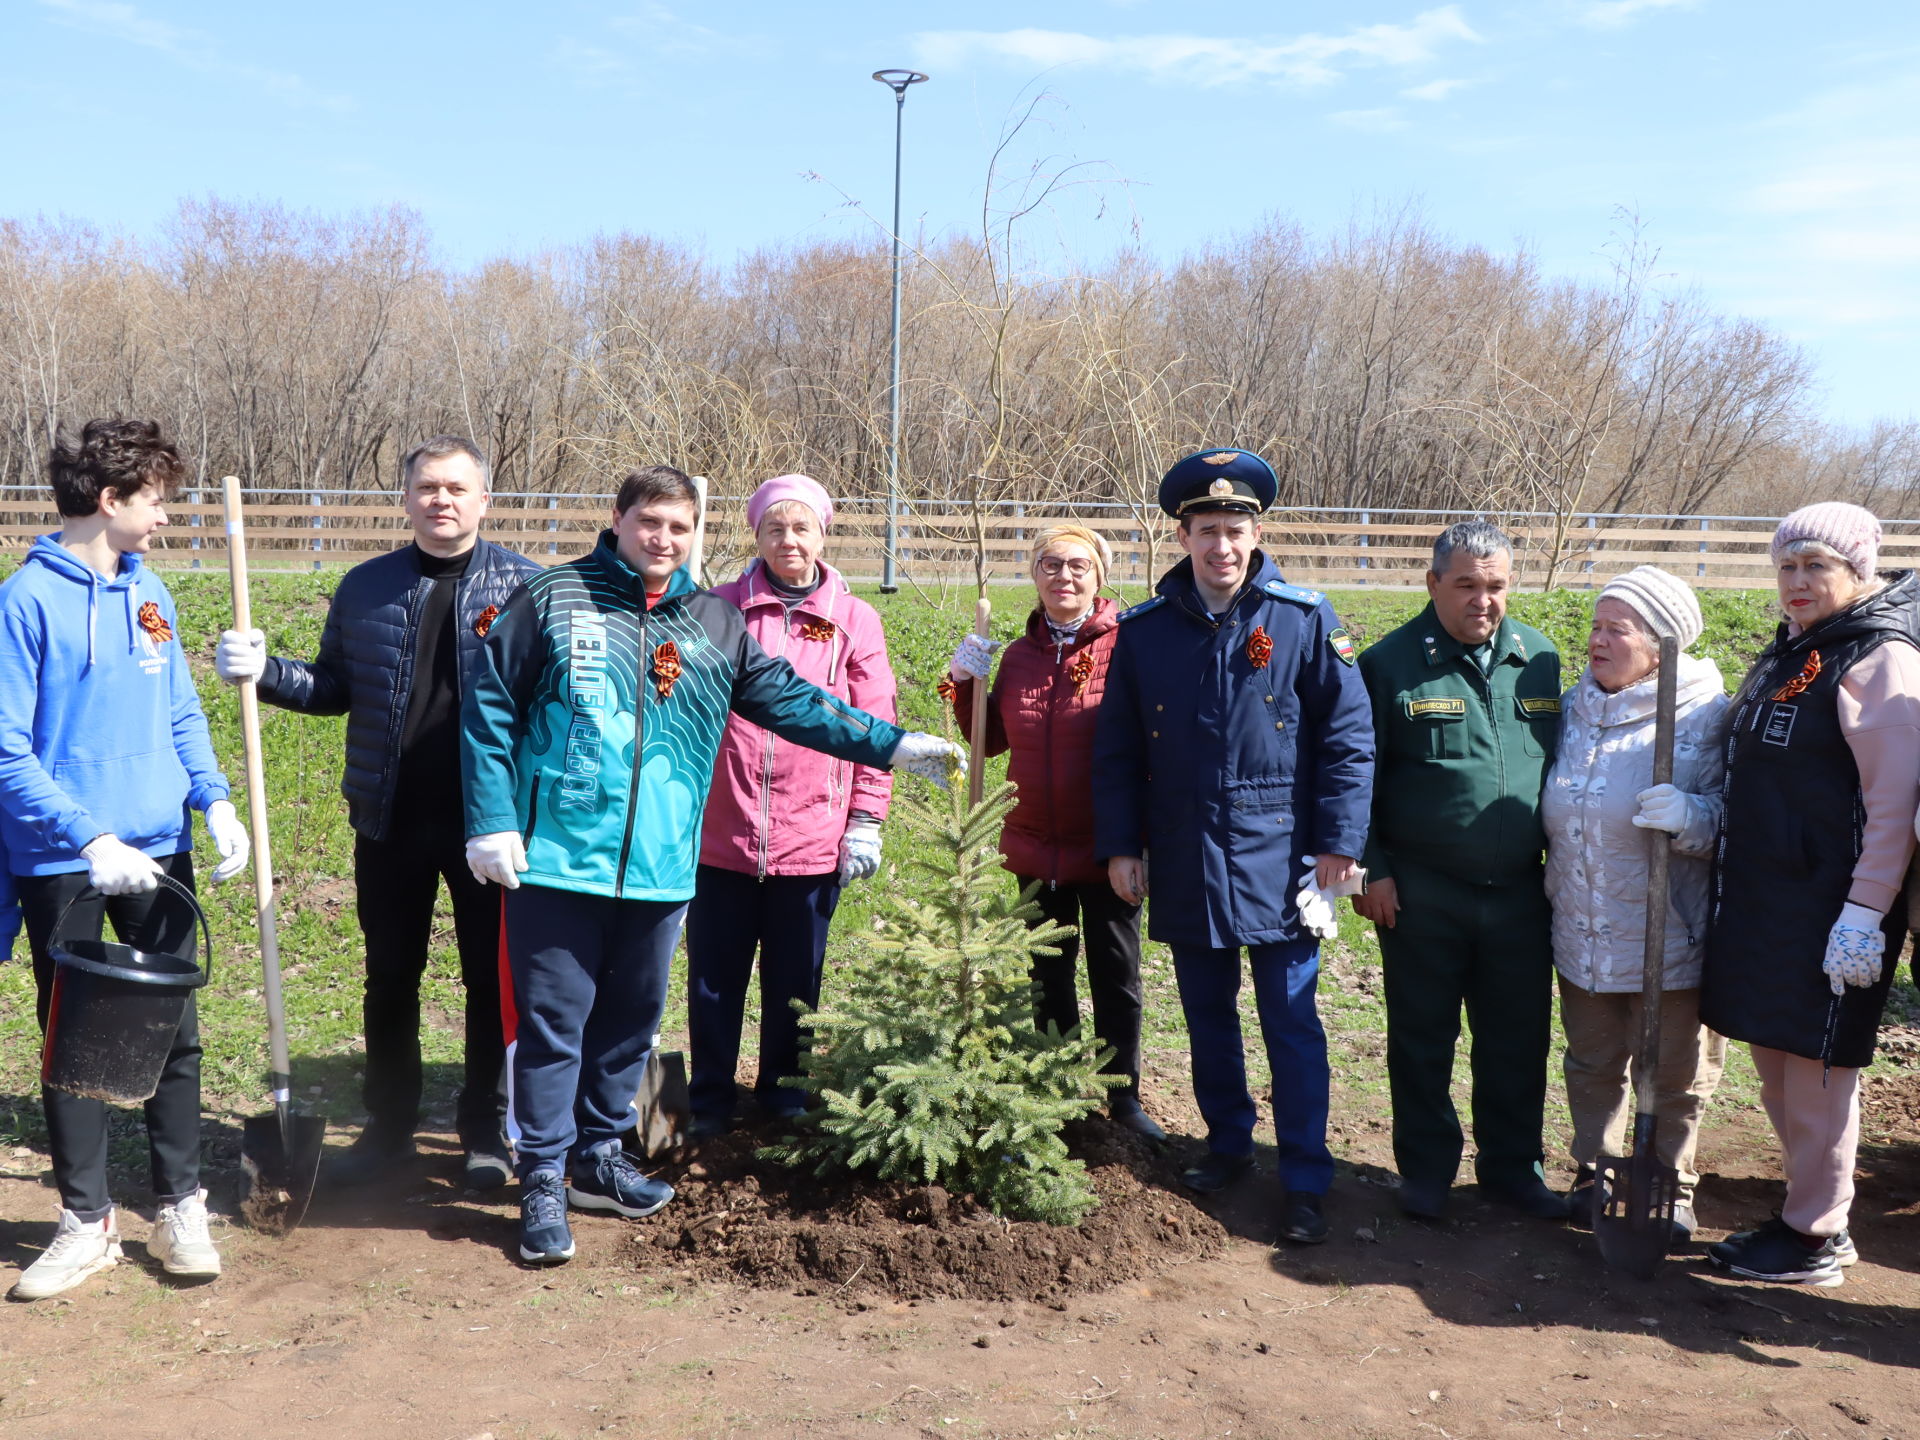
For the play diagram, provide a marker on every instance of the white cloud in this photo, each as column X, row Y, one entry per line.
column 1613, row 14
column 1435, row 89
column 665, row 33
column 1308, row 59
column 1372, row 122
column 116, row 21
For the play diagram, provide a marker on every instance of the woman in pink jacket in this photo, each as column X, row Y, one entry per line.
column 785, row 828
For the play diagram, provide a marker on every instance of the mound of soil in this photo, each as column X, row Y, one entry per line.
column 743, row 1219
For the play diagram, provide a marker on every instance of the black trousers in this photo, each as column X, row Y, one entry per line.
column 77, row 1127
column 398, row 881
column 1110, row 934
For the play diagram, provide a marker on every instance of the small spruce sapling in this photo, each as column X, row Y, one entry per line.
column 926, row 1061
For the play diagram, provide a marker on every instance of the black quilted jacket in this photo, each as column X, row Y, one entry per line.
column 365, row 666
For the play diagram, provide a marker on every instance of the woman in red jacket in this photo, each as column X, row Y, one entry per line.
column 1042, row 710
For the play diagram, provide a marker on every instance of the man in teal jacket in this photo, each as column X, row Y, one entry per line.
column 590, row 730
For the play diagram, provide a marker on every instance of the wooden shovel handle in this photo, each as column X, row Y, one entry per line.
column 280, row 1079
column 977, row 754
column 1653, row 964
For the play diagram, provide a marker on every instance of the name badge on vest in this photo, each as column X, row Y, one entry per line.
column 1779, row 727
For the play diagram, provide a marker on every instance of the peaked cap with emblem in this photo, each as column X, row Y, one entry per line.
column 1218, row 480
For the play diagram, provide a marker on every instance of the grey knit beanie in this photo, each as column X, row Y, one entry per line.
column 1666, row 602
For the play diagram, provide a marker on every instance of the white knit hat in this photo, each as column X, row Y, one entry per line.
column 1666, row 602
column 1841, row 527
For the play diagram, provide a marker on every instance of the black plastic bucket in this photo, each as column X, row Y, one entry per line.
column 115, row 1011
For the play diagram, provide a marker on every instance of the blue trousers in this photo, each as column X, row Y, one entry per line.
column 785, row 918
column 589, row 986
column 1284, row 979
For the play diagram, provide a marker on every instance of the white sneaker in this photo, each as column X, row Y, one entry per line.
column 80, row 1248
column 180, row 1241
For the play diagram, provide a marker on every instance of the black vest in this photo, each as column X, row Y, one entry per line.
column 1790, row 835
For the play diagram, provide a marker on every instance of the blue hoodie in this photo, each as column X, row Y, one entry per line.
column 101, row 730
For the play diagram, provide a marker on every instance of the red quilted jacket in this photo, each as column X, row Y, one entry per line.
column 1042, row 707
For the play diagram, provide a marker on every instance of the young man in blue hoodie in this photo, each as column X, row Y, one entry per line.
column 103, row 755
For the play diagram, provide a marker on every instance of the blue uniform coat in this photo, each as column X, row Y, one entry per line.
column 1224, row 772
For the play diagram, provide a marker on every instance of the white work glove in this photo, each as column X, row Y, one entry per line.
column 229, row 838
column 860, row 850
column 975, row 656
column 240, row 655
column 1664, row 807
column 1855, row 948
column 927, row 756
column 116, row 868
column 498, row 858
column 1316, row 908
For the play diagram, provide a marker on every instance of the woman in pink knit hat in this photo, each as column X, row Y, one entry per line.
column 786, row 828
column 1816, row 832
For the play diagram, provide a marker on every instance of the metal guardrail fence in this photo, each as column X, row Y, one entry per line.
column 1326, row 546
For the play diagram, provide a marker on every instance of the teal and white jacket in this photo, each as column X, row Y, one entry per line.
column 591, row 724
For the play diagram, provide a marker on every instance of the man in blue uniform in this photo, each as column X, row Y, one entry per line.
column 1235, row 750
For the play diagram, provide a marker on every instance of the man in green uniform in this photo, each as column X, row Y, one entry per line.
column 1466, row 710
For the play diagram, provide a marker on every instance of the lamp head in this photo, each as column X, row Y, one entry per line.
column 899, row 80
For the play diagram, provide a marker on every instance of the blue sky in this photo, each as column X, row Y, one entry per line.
column 1771, row 147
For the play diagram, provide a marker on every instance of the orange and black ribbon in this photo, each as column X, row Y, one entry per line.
column 813, row 628
column 154, row 623
column 1081, row 671
column 1259, row 648
column 947, row 690
column 1797, row 686
column 483, row 622
column 666, row 667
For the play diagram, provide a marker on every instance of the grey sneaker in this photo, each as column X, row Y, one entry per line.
column 79, row 1248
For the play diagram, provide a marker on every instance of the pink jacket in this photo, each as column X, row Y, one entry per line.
column 775, row 808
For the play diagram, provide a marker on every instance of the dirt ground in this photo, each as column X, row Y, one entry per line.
column 396, row 1312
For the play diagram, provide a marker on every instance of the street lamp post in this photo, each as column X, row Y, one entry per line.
column 897, row 81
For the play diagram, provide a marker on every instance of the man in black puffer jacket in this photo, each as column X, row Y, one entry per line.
column 401, row 638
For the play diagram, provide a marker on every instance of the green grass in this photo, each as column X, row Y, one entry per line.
column 312, row 847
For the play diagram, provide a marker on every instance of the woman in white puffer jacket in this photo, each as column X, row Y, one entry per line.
column 1599, row 807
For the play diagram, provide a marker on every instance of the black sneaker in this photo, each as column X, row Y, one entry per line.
column 1216, row 1172
column 488, row 1166
column 545, row 1238
column 1302, row 1222
column 1423, row 1199
column 1778, row 1252
column 372, row 1156
column 1530, row 1197
column 612, row 1182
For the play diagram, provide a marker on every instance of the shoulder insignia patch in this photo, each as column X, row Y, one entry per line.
column 1540, row 705
column 1342, row 644
column 1299, row 594
column 1437, row 705
column 1143, row 607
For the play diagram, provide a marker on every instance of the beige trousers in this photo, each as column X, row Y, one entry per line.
column 1816, row 1114
column 1602, row 1030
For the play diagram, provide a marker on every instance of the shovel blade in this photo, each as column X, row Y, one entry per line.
column 281, row 1162
column 1633, row 1204
column 663, row 1106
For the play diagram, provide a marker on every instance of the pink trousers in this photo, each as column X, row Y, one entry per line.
column 1818, row 1124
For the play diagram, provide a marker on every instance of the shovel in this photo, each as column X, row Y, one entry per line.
column 1634, row 1198
column 977, row 752
column 280, row 1153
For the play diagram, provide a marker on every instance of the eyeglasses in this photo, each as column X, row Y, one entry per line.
column 1051, row 565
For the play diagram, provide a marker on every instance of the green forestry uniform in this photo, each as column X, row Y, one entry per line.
column 1464, row 737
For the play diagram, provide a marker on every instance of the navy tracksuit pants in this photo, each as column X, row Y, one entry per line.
column 784, row 918
column 1285, row 977
column 589, row 987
